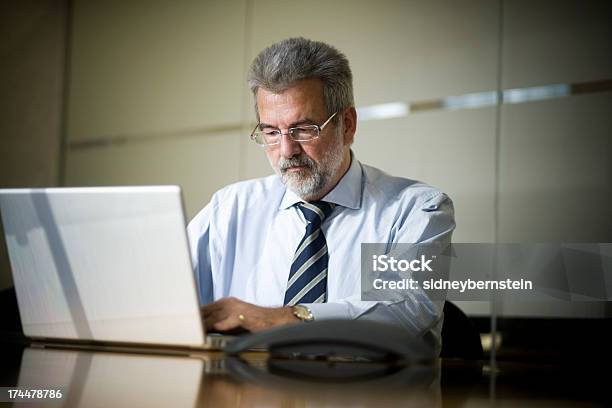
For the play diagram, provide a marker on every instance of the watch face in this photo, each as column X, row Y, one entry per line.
column 302, row 313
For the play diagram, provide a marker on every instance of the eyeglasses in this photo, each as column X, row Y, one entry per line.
column 305, row 133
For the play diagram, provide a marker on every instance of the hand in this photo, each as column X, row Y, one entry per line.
column 230, row 314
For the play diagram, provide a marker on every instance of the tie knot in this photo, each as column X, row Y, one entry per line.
column 315, row 212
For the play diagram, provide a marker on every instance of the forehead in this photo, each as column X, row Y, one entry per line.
column 303, row 98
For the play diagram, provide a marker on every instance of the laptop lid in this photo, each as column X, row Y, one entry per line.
column 108, row 264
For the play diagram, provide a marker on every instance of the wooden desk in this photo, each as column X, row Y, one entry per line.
column 113, row 379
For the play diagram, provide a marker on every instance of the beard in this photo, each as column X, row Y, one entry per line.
column 313, row 177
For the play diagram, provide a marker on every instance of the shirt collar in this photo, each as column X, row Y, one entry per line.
column 347, row 192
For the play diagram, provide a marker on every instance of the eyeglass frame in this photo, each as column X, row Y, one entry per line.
column 290, row 132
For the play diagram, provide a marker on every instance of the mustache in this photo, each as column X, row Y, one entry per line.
column 302, row 160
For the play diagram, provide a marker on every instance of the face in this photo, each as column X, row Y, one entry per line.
column 310, row 169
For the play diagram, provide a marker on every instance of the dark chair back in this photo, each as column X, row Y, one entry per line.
column 460, row 339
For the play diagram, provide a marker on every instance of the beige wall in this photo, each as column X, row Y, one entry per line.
column 32, row 50
column 149, row 89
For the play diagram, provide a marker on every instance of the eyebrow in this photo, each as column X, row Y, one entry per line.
column 306, row 121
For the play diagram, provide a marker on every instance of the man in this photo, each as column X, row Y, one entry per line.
column 286, row 248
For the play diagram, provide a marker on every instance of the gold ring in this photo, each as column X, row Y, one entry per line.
column 241, row 317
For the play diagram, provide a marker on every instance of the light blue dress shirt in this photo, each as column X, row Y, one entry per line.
column 243, row 242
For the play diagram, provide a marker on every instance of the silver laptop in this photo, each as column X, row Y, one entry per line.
column 104, row 265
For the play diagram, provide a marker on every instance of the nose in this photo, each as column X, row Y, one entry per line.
column 289, row 147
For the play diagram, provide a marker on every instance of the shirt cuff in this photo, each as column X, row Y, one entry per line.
column 325, row 311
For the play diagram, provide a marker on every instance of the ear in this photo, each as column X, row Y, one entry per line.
column 349, row 120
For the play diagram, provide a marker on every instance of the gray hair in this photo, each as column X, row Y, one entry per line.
column 284, row 63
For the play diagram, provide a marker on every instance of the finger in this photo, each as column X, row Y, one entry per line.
column 229, row 323
column 213, row 307
column 214, row 318
column 207, row 310
column 228, row 302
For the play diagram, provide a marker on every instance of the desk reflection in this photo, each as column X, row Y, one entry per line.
column 102, row 379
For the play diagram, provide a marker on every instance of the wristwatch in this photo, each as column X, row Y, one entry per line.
column 303, row 313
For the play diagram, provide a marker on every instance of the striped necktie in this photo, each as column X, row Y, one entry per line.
column 308, row 275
